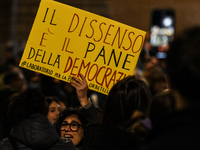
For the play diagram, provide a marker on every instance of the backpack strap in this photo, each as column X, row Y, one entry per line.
column 13, row 143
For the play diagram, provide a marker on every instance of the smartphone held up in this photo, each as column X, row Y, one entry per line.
column 162, row 31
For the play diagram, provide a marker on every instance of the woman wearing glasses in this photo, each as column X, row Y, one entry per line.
column 72, row 121
column 71, row 125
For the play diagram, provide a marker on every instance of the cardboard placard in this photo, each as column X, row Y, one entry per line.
column 65, row 41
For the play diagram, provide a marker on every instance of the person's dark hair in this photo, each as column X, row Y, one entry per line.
column 124, row 98
column 66, row 113
column 26, row 103
column 51, row 99
column 153, row 76
column 183, row 63
column 161, row 105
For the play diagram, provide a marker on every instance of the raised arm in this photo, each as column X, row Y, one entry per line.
column 90, row 112
column 81, row 87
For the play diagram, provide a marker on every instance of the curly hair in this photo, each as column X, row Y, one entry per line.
column 66, row 113
column 26, row 103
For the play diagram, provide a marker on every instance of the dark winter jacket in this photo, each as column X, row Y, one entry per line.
column 176, row 131
column 36, row 132
column 104, row 137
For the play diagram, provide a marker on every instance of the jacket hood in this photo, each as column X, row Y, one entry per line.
column 35, row 131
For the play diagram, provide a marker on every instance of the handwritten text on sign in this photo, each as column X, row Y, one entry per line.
column 65, row 41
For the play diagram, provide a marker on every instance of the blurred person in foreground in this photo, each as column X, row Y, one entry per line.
column 179, row 130
column 31, row 128
column 160, row 106
column 113, row 130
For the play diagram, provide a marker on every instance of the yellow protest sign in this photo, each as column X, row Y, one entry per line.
column 65, row 41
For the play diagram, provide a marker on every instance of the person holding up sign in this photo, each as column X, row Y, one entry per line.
column 72, row 121
column 111, row 131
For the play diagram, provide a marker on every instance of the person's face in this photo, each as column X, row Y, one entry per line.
column 74, row 136
column 54, row 111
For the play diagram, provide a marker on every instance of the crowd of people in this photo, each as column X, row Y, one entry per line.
column 155, row 108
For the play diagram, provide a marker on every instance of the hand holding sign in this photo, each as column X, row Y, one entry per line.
column 81, row 89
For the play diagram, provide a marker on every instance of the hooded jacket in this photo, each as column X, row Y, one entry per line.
column 38, row 133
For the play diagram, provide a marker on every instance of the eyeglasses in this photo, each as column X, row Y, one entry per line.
column 74, row 126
